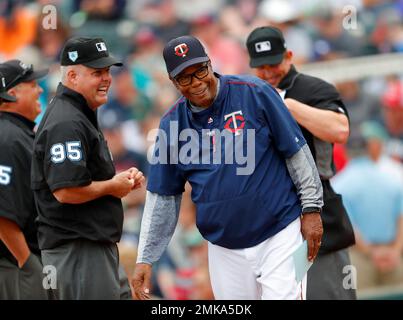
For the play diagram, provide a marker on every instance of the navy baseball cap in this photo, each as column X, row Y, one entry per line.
column 266, row 46
column 16, row 71
column 183, row 52
column 3, row 90
column 90, row 52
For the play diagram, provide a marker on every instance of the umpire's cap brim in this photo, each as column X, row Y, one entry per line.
column 103, row 62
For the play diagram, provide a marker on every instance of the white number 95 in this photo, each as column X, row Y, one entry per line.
column 72, row 151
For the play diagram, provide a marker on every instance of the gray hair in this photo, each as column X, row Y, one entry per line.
column 65, row 70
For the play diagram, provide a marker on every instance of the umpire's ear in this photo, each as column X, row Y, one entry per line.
column 71, row 73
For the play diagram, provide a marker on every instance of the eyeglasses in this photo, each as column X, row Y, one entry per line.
column 28, row 69
column 186, row 79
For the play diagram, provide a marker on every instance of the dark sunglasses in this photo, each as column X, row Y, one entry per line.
column 186, row 79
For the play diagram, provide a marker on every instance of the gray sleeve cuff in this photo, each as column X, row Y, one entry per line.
column 158, row 224
column 305, row 176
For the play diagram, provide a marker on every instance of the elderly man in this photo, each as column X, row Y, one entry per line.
column 249, row 211
column 20, row 263
column 76, row 189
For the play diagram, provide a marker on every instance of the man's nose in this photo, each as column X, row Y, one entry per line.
column 106, row 76
column 195, row 82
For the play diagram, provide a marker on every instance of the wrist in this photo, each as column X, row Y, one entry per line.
column 310, row 210
column 108, row 187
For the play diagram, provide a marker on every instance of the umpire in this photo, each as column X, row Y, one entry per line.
column 20, row 266
column 323, row 118
column 76, row 190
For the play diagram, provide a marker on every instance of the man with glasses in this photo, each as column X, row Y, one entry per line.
column 20, row 263
column 251, row 219
column 323, row 119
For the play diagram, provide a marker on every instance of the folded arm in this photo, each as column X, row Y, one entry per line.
column 326, row 125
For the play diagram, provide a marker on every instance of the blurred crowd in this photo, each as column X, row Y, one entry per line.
column 136, row 31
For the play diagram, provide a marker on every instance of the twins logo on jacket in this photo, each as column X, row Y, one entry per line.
column 234, row 118
column 233, row 155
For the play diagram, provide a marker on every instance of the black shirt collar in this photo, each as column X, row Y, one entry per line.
column 78, row 101
column 288, row 81
column 20, row 120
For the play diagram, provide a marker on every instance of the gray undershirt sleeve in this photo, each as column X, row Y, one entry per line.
column 305, row 176
column 158, row 224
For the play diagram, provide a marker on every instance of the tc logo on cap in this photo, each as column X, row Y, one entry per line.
column 73, row 55
column 3, row 82
column 262, row 46
column 101, row 46
column 181, row 50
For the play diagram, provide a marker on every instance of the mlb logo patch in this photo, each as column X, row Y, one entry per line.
column 73, row 55
column 101, row 46
column 263, row 46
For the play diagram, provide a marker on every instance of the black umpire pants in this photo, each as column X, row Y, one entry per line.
column 87, row 270
column 22, row 284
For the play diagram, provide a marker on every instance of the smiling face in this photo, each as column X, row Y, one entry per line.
column 273, row 74
column 200, row 92
column 92, row 84
column 27, row 94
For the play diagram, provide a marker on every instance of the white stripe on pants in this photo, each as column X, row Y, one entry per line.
column 265, row 271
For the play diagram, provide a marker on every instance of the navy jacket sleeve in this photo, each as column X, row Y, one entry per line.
column 164, row 177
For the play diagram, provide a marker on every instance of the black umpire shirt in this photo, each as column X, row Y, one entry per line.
column 70, row 151
column 318, row 94
column 16, row 198
column 338, row 231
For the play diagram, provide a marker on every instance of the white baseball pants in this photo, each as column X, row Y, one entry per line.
column 265, row 271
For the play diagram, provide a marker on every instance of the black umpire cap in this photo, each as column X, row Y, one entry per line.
column 90, row 52
column 183, row 52
column 16, row 71
column 266, row 46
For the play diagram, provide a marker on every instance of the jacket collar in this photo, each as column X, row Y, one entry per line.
column 288, row 81
column 19, row 120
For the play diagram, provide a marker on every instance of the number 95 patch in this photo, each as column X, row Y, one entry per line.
column 70, row 150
